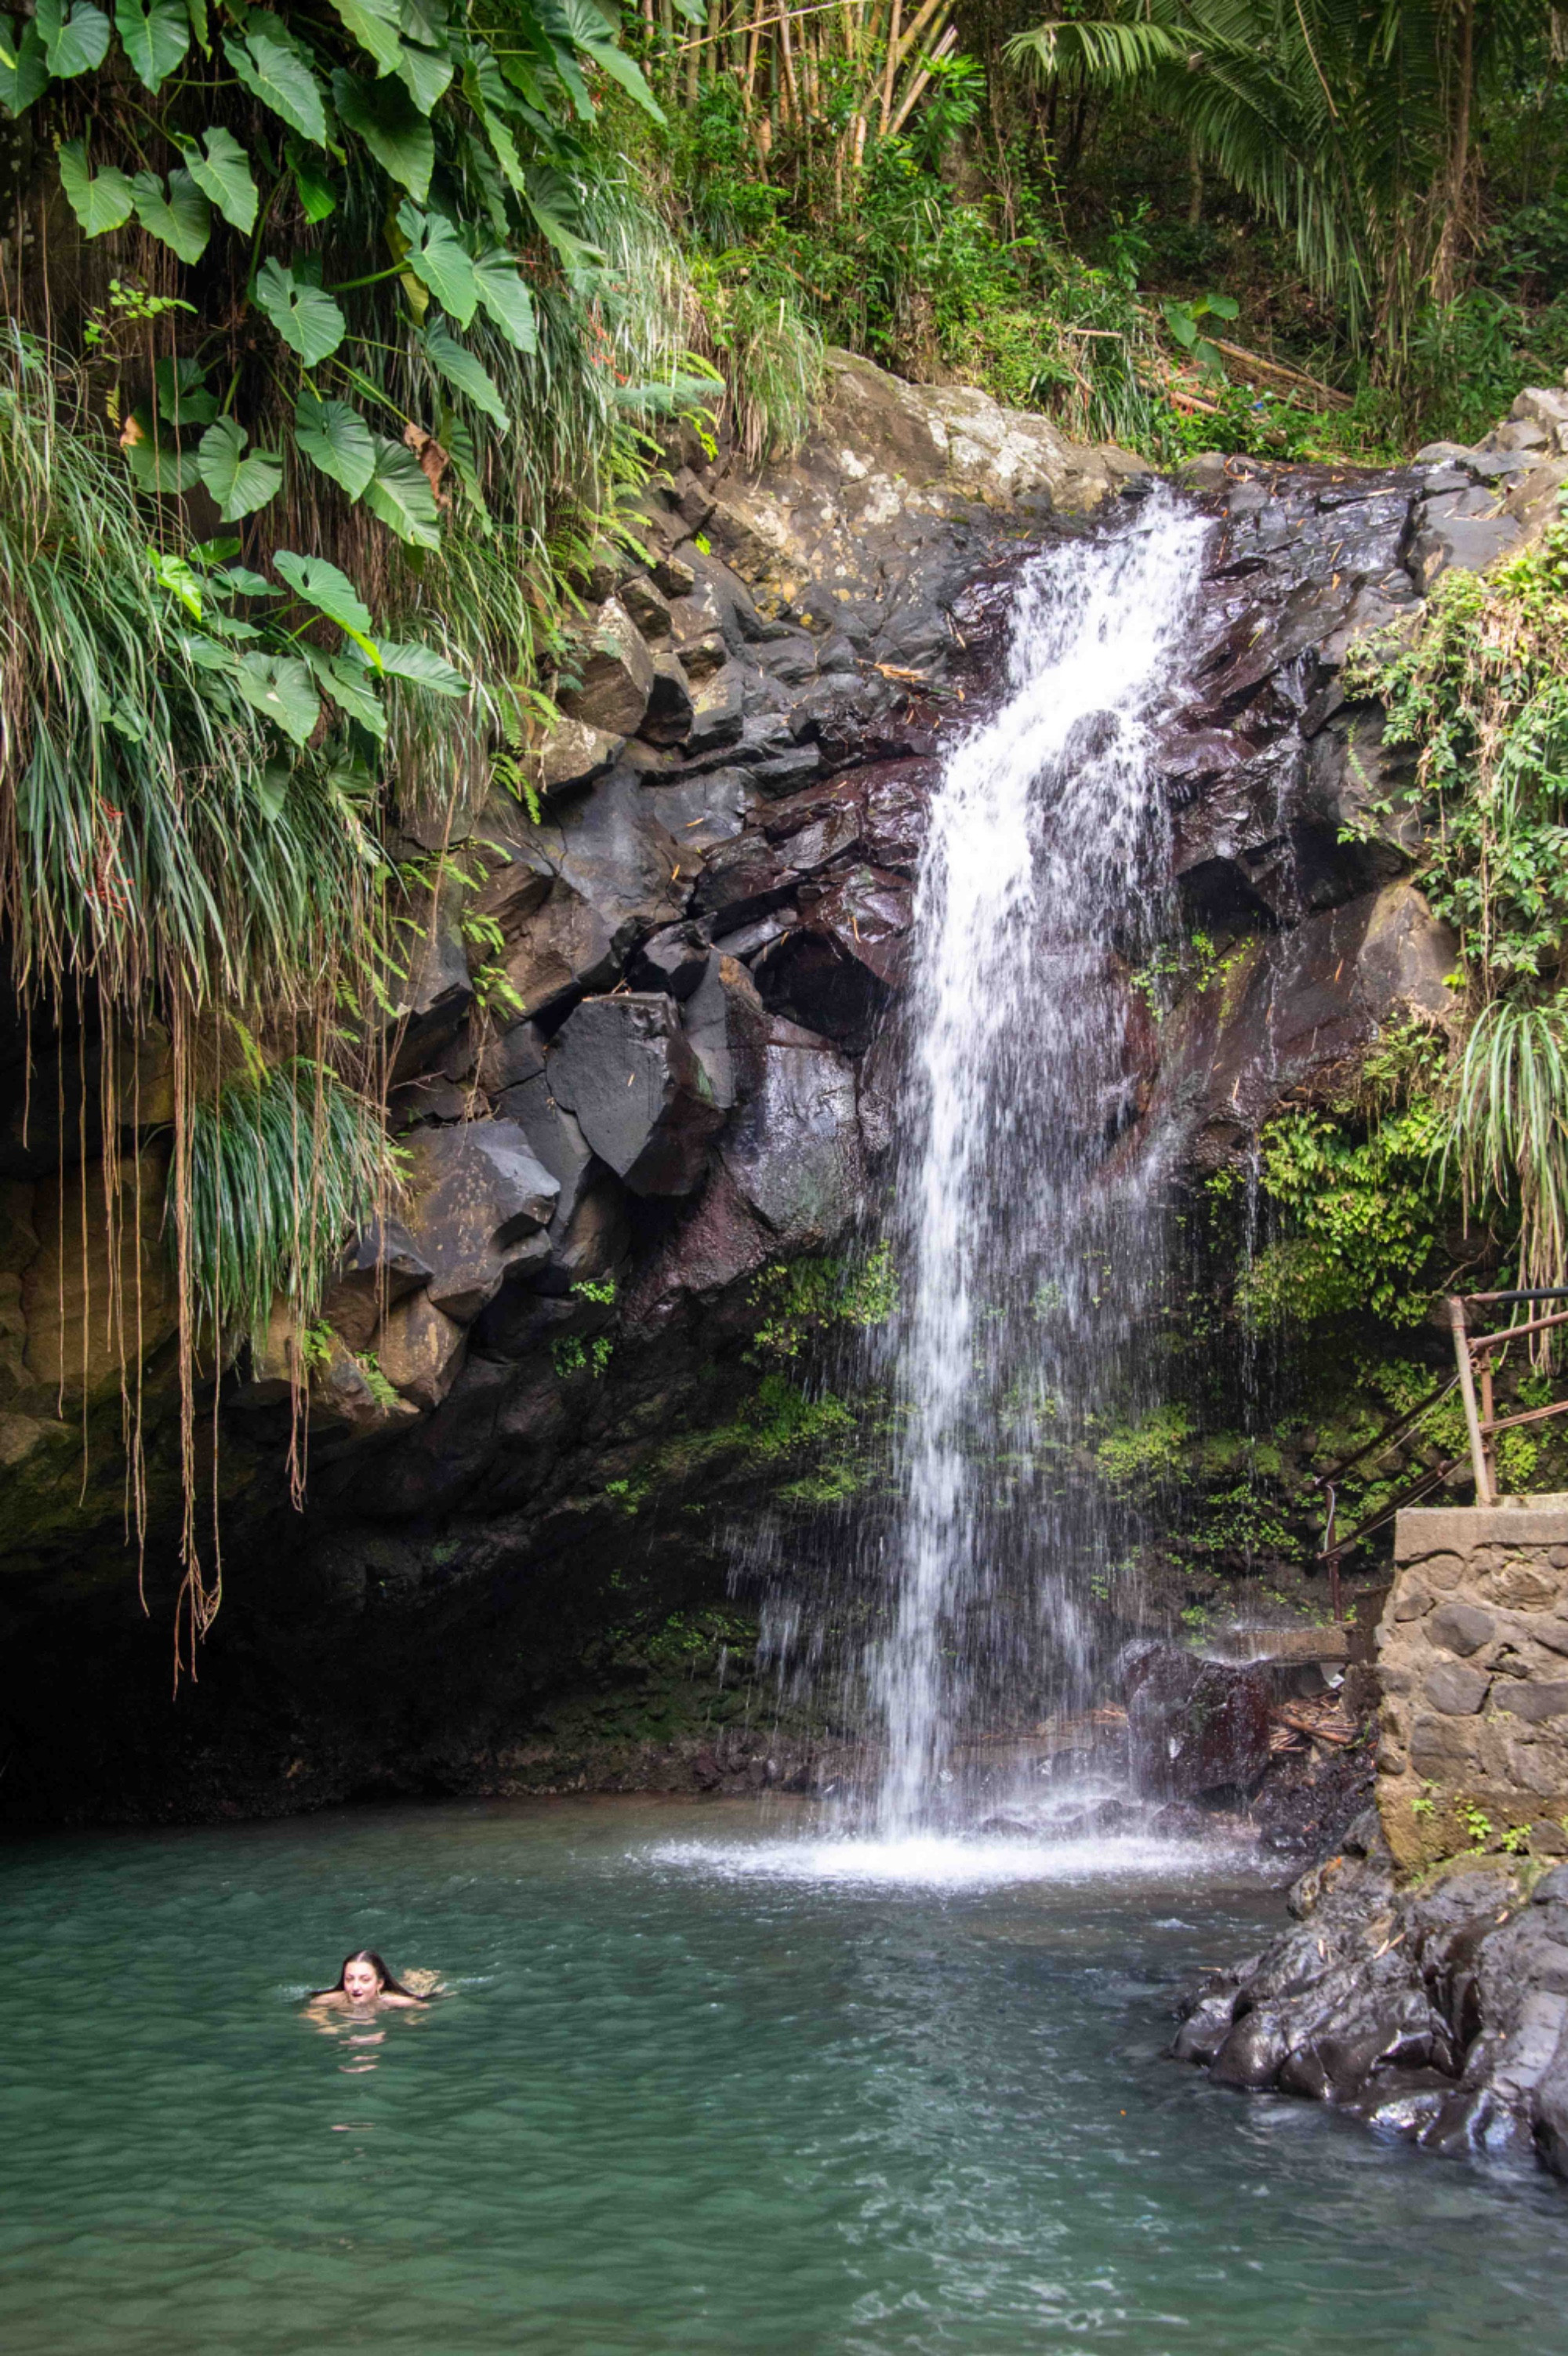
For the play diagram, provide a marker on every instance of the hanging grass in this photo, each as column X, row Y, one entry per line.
column 146, row 846
column 283, row 1165
column 1508, row 1136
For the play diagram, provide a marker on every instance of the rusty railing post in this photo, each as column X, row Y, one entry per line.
column 1467, row 1390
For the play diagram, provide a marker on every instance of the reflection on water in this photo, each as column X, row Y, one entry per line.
column 699, row 2089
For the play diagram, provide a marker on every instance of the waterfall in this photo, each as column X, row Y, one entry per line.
column 1027, row 1248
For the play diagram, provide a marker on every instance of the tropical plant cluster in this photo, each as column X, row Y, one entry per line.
column 1300, row 225
column 340, row 342
column 334, row 343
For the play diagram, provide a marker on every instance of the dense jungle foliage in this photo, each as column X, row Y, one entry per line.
column 340, row 339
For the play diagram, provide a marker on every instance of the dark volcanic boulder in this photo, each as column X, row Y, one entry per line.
column 1194, row 1726
column 381, row 1266
column 572, row 895
column 793, row 1152
column 728, row 1026
column 1438, row 2011
column 477, row 1203
column 640, row 1096
column 615, row 674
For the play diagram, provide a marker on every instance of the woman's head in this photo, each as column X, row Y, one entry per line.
column 364, row 1977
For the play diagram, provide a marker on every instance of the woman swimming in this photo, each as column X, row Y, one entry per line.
column 365, row 1980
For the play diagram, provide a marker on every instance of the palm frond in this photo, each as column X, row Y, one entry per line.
column 1509, row 1133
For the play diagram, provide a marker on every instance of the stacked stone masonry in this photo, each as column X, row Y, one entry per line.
column 1473, row 1662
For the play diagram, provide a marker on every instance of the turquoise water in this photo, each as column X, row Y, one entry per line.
column 702, row 2086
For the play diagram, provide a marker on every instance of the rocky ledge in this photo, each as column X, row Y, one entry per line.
column 1426, row 1991
column 645, row 1067
column 1437, row 2013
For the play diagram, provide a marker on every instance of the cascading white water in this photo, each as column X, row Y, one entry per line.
column 1023, row 1262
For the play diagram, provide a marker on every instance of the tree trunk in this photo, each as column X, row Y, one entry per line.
column 1457, row 192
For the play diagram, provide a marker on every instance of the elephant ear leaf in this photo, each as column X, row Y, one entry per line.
column 277, row 69
column 330, row 592
column 307, row 320
column 101, row 200
column 223, row 174
column 182, row 219
column 75, row 39
column 336, row 440
column 24, row 66
column 373, row 23
column 384, row 116
column 348, row 691
column 421, row 666
column 503, row 290
column 155, row 36
column 240, row 484
column 398, row 492
column 463, row 371
column 279, row 688
column 425, row 73
column 437, row 259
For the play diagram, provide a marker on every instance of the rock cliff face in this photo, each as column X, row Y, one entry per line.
column 645, row 1154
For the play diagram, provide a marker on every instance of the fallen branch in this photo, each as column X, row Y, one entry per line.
column 1287, row 374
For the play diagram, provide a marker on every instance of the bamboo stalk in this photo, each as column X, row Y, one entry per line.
column 1467, row 1391
column 758, row 25
column 922, row 80
column 892, row 66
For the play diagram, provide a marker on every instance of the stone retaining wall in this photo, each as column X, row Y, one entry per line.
column 1472, row 1661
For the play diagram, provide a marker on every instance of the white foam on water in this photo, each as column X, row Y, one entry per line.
column 938, row 1861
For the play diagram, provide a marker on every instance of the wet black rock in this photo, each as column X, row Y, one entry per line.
column 478, row 1201
column 1438, row 2013
column 624, row 1066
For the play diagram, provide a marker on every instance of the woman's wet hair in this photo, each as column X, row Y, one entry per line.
column 389, row 1985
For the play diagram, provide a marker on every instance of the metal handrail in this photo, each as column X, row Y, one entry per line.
column 1473, row 1355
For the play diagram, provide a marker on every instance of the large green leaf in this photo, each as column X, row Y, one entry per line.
column 182, row 219
column 223, row 174
column 425, row 20
column 581, row 22
column 183, row 396
column 437, row 259
column 463, row 371
column 278, row 70
column 155, row 468
column 75, row 39
column 551, row 197
column 155, row 36
column 336, row 439
column 421, row 666
column 304, row 317
column 322, row 585
column 24, row 66
column 101, row 200
column 504, row 293
column 278, row 686
column 391, row 127
column 239, row 483
column 424, row 74
column 350, row 690
column 373, row 23
column 400, row 495
column 318, row 197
